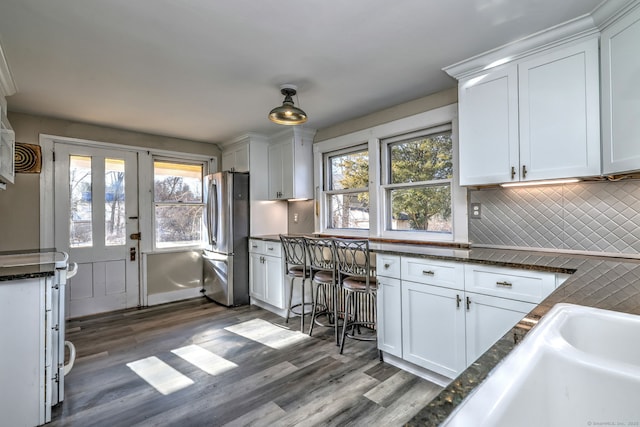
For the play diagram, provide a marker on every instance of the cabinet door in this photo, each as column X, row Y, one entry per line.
column 488, row 124
column 241, row 159
column 257, row 280
column 275, row 171
column 560, row 113
column 273, row 278
column 488, row 319
column 288, row 167
column 389, row 316
column 620, row 64
column 228, row 161
column 433, row 328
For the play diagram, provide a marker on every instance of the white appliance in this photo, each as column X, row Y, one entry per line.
column 32, row 332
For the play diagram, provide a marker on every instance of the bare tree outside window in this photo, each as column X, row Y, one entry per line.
column 179, row 206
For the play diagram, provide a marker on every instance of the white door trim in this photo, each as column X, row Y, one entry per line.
column 47, row 190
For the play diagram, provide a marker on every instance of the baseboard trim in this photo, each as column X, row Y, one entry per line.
column 172, row 296
column 426, row 374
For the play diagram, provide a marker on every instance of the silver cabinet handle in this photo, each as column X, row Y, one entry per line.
column 428, row 272
column 505, row 284
column 254, row 246
column 387, row 266
column 468, row 303
column 458, row 301
column 270, row 249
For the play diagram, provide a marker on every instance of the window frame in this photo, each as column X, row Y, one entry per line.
column 372, row 137
column 329, row 192
column 154, row 203
column 386, row 187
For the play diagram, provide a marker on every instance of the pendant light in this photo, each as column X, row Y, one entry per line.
column 288, row 114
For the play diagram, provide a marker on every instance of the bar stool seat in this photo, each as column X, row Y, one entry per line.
column 359, row 284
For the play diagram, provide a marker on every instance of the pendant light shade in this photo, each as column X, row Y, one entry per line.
column 288, row 114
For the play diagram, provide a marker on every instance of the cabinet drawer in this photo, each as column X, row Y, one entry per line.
column 273, row 249
column 256, row 246
column 265, row 247
column 432, row 272
column 388, row 265
column 520, row 285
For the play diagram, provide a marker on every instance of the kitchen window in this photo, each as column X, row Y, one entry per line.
column 347, row 188
column 417, row 177
column 178, row 203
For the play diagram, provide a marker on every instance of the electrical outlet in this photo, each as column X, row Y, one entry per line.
column 475, row 211
column 295, row 218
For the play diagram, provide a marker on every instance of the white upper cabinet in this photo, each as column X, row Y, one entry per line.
column 559, row 107
column 534, row 117
column 620, row 62
column 236, row 158
column 488, row 125
column 291, row 165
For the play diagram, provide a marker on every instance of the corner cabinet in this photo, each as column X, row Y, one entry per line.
column 532, row 119
column 7, row 152
column 620, row 64
column 236, row 159
column 291, row 165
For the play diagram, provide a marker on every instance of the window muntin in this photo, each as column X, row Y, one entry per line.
column 419, row 172
column 178, row 203
column 347, row 189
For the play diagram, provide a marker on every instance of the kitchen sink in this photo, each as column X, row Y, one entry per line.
column 579, row 366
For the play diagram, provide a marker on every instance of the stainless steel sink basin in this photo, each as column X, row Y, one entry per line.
column 579, row 366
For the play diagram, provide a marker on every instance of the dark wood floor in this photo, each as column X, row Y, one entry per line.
column 286, row 379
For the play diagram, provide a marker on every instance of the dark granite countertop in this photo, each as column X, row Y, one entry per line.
column 29, row 264
column 596, row 281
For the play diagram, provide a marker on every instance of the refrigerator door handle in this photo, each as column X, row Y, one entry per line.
column 212, row 213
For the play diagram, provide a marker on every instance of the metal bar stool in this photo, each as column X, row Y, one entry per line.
column 323, row 273
column 295, row 257
column 357, row 278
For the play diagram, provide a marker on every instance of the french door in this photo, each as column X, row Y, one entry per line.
column 96, row 222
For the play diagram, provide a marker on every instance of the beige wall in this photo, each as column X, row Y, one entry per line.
column 20, row 202
column 420, row 105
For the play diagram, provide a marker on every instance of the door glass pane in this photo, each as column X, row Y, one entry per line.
column 80, row 192
column 114, row 215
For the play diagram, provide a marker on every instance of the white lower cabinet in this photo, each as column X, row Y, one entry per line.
column 389, row 321
column 443, row 315
column 265, row 272
column 487, row 319
column 433, row 330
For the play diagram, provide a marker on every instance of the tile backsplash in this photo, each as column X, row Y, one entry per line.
column 301, row 217
column 587, row 216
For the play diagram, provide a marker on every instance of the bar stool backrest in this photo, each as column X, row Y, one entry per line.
column 353, row 259
column 295, row 253
column 320, row 253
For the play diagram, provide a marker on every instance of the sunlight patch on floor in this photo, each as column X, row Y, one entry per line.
column 267, row 333
column 202, row 358
column 159, row 375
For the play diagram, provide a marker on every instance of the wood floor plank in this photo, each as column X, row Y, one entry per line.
column 304, row 381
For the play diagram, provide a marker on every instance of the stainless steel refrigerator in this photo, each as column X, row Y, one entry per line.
column 226, row 261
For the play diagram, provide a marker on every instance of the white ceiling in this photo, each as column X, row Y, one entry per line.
column 210, row 70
